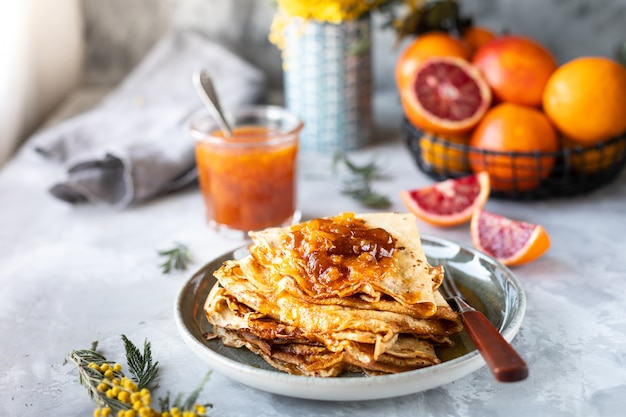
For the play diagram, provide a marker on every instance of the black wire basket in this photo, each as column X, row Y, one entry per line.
column 573, row 170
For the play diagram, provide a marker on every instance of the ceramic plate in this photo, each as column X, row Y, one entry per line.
column 488, row 285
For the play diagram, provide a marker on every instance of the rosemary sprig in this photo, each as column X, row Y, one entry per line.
column 367, row 197
column 140, row 365
column 176, row 258
column 358, row 185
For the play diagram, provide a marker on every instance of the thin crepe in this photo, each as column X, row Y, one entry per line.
column 371, row 328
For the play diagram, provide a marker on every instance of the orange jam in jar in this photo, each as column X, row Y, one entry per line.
column 248, row 180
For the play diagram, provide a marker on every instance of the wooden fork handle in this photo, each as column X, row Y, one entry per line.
column 503, row 361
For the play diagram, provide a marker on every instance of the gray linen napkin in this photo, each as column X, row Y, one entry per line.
column 135, row 143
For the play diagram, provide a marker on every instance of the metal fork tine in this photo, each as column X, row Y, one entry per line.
column 449, row 286
column 451, row 292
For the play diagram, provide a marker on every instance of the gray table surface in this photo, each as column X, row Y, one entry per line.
column 72, row 275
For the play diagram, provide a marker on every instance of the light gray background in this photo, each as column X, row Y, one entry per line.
column 119, row 32
column 105, row 261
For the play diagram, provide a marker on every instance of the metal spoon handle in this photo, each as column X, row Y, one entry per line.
column 504, row 362
column 206, row 90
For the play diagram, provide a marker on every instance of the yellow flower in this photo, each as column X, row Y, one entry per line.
column 333, row 11
column 128, row 384
column 326, row 11
column 147, row 412
column 124, row 397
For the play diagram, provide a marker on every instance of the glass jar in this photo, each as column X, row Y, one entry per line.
column 248, row 181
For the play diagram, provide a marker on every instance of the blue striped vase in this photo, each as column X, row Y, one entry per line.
column 328, row 82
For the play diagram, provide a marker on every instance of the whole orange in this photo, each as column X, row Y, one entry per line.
column 510, row 138
column 586, row 99
column 477, row 36
column 594, row 158
column 445, row 153
column 516, row 68
column 426, row 46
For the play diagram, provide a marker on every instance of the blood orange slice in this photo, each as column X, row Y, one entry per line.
column 512, row 242
column 447, row 95
column 450, row 202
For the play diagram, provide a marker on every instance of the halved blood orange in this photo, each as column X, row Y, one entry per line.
column 447, row 95
column 424, row 46
column 450, row 202
column 512, row 242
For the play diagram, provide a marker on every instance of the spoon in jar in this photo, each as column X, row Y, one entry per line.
column 202, row 81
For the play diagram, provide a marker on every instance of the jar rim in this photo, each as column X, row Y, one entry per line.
column 288, row 125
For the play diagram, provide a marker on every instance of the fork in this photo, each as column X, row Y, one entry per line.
column 503, row 361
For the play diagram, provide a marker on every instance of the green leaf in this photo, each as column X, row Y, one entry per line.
column 140, row 365
column 430, row 15
column 191, row 400
column 193, row 396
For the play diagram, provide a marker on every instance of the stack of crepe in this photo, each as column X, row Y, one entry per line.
column 308, row 308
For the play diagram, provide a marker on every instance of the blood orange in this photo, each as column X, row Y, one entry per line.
column 512, row 242
column 517, row 68
column 450, row 202
column 447, row 95
column 426, row 46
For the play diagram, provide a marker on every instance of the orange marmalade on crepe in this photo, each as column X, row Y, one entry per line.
column 339, row 250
